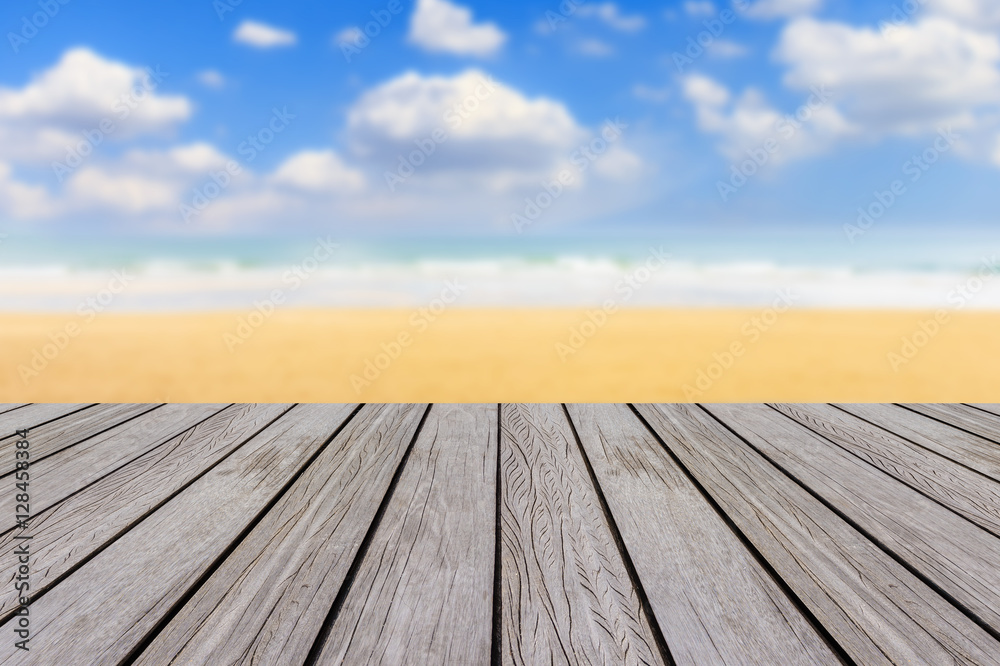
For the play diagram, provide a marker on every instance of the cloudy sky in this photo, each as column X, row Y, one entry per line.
column 484, row 117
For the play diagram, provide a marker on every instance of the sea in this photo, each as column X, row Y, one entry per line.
column 733, row 267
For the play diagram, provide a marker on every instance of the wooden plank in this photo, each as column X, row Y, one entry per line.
column 33, row 416
column 101, row 612
column 964, row 448
column 69, row 532
column 876, row 610
column 62, row 474
column 992, row 408
column 953, row 554
column 268, row 600
column 69, row 430
column 433, row 551
column 713, row 600
column 10, row 406
column 964, row 491
column 566, row 594
column 961, row 416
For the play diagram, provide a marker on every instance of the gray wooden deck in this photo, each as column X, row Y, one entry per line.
column 514, row 534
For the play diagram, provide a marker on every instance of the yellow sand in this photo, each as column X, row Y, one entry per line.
column 503, row 355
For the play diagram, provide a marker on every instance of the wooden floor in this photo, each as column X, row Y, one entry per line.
column 514, row 534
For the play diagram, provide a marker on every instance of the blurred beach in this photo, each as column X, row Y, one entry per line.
column 679, row 318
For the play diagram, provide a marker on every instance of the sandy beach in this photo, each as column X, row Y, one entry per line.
column 490, row 355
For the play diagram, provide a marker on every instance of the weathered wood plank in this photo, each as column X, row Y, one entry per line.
column 953, row 554
column 73, row 529
column 62, row 474
column 10, row 406
column 70, row 430
column 992, row 408
column 713, row 600
column 433, row 553
column 33, row 416
column 267, row 601
column 965, row 448
column 964, row 417
column 103, row 611
column 876, row 610
column 966, row 492
column 566, row 594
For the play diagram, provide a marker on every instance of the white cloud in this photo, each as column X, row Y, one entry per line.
column 609, row 14
column 619, row 164
column 83, row 88
column 348, row 36
column 94, row 186
column 84, row 92
column 319, row 171
column 263, row 36
column 439, row 25
column 973, row 13
column 20, row 200
column 594, row 48
column 770, row 9
column 489, row 125
column 747, row 122
column 912, row 80
column 723, row 48
column 210, row 78
column 695, row 8
column 143, row 181
column 706, row 94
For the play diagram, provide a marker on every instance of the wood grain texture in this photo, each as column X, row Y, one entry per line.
column 33, row 416
column 955, row 555
column 70, row 430
column 10, row 406
column 876, row 610
column 267, row 601
column 964, row 448
column 992, row 408
column 424, row 591
column 566, row 594
column 76, row 527
column 106, row 608
column 962, row 416
column 713, row 600
column 62, row 474
column 966, row 492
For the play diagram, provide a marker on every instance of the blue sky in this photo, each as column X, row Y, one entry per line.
column 576, row 116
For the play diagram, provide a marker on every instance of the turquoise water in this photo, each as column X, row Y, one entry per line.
column 735, row 267
column 926, row 251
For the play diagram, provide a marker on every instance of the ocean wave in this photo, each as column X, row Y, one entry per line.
column 559, row 281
